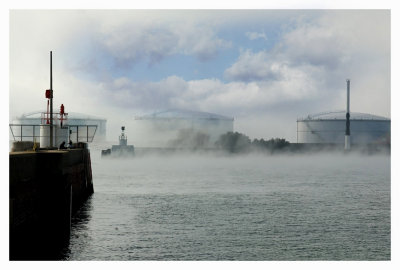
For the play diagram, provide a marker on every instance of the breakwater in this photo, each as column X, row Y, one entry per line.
column 47, row 187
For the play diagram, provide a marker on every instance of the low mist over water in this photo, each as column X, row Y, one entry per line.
column 244, row 207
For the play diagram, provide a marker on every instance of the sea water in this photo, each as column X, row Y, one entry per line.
column 245, row 207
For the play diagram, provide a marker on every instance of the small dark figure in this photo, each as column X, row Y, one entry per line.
column 69, row 144
column 62, row 145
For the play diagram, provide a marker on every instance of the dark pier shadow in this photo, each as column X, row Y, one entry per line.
column 43, row 243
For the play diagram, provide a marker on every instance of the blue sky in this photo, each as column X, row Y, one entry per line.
column 265, row 68
column 258, row 34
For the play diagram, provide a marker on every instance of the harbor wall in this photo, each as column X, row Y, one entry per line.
column 47, row 188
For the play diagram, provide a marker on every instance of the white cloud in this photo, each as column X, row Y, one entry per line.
column 91, row 37
column 233, row 98
column 129, row 40
column 199, row 40
column 314, row 57
column 256, row 35
column 278, row 77
column 255, row 67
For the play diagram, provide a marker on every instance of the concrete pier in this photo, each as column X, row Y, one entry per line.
column 47, row 187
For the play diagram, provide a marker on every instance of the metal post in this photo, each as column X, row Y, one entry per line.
column 21, row 133
column 77, row 129
column 51, row 100
column 87, row 133
column 347, row 134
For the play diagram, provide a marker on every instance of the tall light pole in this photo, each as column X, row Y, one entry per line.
column 51, row 100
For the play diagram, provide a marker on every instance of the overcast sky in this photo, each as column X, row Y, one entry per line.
column 265, row 68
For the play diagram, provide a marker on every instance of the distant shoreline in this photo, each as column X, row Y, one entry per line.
column 292, row 148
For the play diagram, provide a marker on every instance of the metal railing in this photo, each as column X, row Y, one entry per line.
column 77, row 133
column 57, row 117
column 24, row 130
column 82, row 133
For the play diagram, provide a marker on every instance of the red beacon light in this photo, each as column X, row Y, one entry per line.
column 62, row 109
column 48, row 93
column 62, row 114
column 48, row 96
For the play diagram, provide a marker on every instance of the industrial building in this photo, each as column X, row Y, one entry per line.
column 74, row 119
column 180, row 128
column 330, row 127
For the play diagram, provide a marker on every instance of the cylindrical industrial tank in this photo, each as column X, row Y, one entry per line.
column 179, row 128
column 330, row 128
column 45, row 136
column 59, row 135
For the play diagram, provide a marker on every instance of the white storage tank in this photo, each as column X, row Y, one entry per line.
column 329, row 127
column 179, row 128
column 61, row 134
column 45, row 136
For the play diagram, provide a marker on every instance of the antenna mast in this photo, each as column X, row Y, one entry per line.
column 51, row 100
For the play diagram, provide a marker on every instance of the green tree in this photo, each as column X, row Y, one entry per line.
column 234, row 142
column 270, row 145
column 190, row 138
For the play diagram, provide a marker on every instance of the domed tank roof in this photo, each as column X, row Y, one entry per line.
column 71, row 115
column 341, row 115
column 183, row 114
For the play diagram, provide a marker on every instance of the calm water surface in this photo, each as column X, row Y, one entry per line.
column 203, row 207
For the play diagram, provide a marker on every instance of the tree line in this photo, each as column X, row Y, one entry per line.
column 235, row 142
